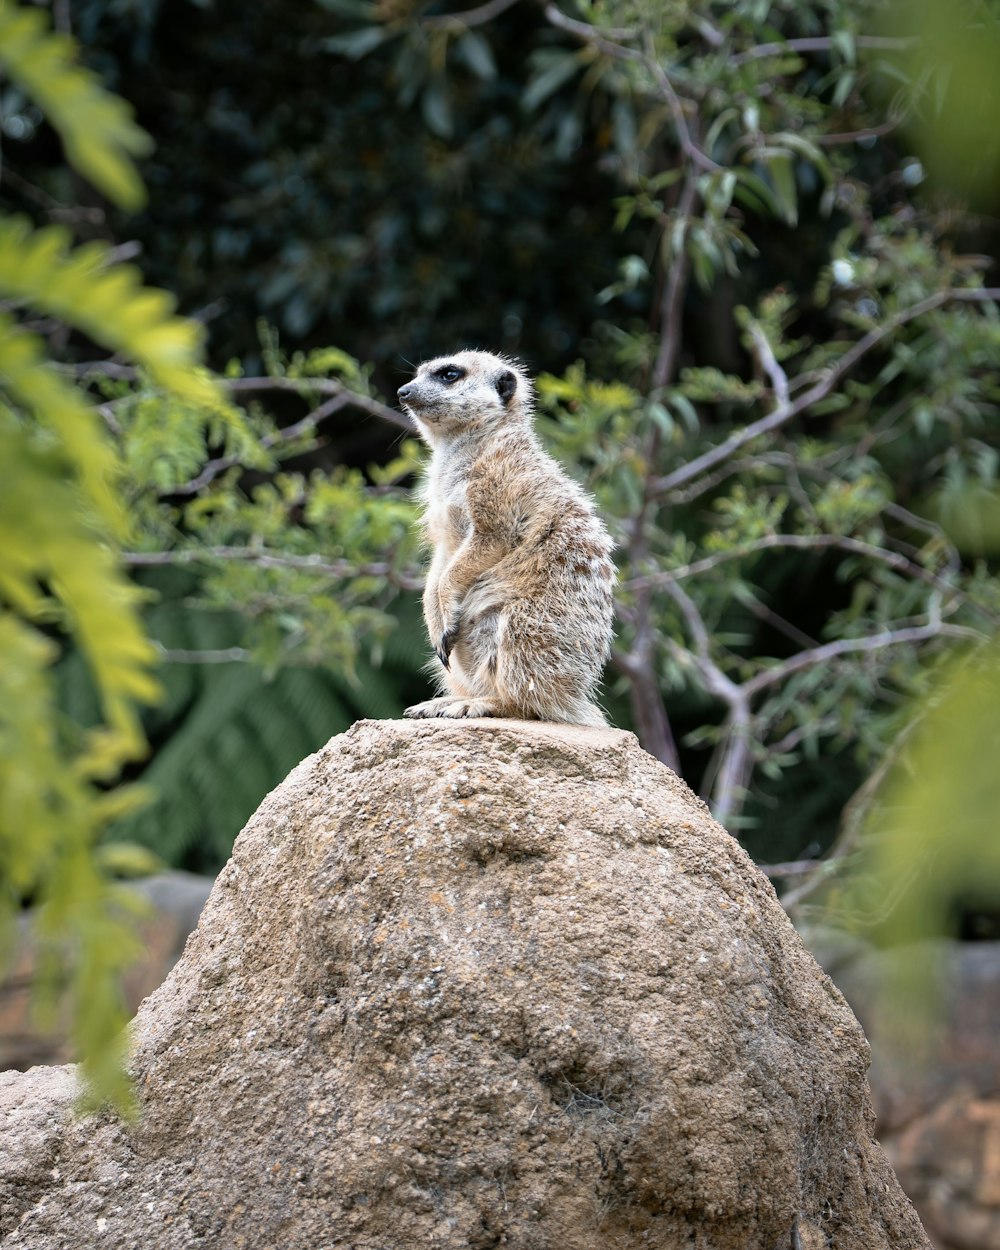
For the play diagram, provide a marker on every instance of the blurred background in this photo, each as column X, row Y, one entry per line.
column 748, row 249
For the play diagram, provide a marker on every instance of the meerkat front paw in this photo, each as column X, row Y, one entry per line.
column 452, row 706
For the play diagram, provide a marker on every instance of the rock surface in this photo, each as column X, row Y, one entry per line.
column 473, row 985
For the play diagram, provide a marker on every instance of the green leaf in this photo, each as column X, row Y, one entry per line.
column 554, row 70
column 356, row 43
column 781, row 168
column 475, row 53
column 97, row 128
column 107, row 302
column 435, row 107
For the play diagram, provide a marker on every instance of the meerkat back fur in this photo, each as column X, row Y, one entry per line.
column 518, row 598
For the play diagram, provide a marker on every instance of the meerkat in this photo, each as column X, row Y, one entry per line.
column 518, row 598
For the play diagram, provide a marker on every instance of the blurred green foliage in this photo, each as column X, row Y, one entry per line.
column 945, row 76
column 62, row 520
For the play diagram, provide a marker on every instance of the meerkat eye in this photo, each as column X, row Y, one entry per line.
column 449, row 373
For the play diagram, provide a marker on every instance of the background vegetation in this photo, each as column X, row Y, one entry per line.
column 747, row 247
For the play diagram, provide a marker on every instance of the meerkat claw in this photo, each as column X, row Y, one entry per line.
column 446, row 644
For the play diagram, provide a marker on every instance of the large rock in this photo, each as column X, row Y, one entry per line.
column 475, row 985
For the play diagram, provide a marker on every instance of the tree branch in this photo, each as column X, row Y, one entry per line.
column 769, row 363
column 797, row 542
column 648, row 711
column 785, row 412
column 691, row 150
column 287, row 435
column 817, row 43
column 222, row 655
column 602, row 40
column 854, row 646
column 300, row 386
column 338, row 570
column 649, row 716
column 324, row 386
column 672, row 306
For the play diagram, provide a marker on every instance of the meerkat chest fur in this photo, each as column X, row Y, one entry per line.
column 444, row 495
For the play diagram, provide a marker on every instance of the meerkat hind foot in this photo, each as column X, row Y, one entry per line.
column 454, row 706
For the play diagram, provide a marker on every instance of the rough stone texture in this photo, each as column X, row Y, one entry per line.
column 175, row 900
column 938, row 1104
column 474, row 985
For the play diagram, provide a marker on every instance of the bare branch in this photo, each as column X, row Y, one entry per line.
column 648, row 711
column 799, row 542
column 222, row 655
column 785, row 412
column 672, row 307
column 817, row 43
column 795, row 737
column 769, row 363
column 300, row 429
column 324, row 386
column 301, row 386
column 733, row 773
column 649, row 716
column 855, row 136
column 602, row 40
column 791, row 868
column 762, row 612
column 337, row 570
column 691, row 149
column 855, row 646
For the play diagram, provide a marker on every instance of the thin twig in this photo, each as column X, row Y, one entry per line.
column 796, row 542
column 221, row 655
column 855, row 646
column 338, row 570
column 691, row 149
column 300, row 386
column 769, row 363
column 324, row 386
column 817, row 43
column 856, row 136
column 791, row 868
column 602, row 40
column 287, row 435
column 672, row 307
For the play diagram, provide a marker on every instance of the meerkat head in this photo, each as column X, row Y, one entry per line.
column 467, row 391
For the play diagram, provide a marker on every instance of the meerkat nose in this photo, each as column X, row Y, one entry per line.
column 405, row 392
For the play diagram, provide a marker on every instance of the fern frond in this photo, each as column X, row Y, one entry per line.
column 106, row 301
column 97, row 129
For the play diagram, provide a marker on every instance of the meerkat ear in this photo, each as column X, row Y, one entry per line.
column 506, row 385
